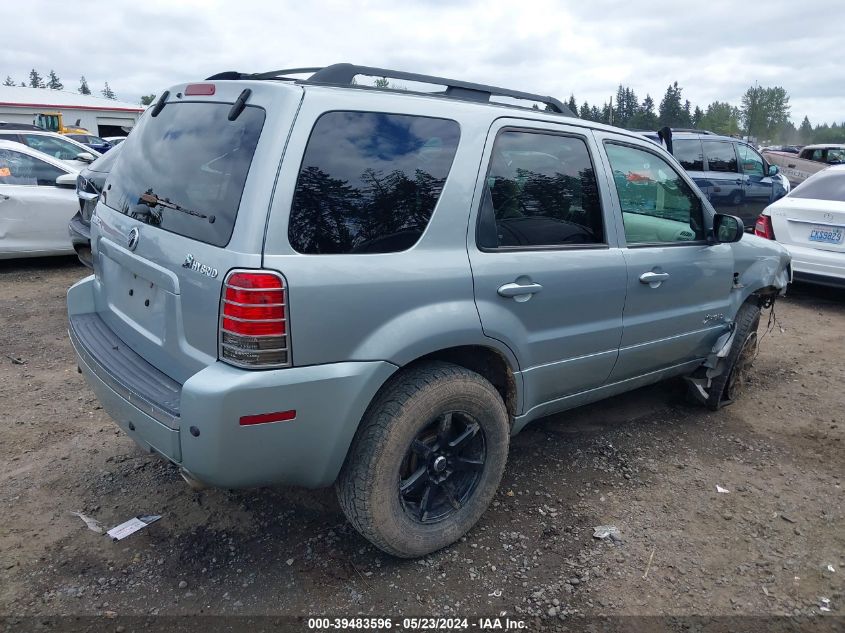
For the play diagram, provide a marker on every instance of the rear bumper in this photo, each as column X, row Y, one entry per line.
column 205, row 436
column 80, row 237
column 816, row 266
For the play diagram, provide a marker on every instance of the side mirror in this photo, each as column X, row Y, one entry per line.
column 727, row 228
column 68, row 181
column 85, row 157
column 774, row 170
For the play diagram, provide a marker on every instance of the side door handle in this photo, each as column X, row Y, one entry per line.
column 520, row 292
column 738, row 181
column 653, row 279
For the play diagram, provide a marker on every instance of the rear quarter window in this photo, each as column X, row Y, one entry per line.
column 688, row 152
column 369, row 182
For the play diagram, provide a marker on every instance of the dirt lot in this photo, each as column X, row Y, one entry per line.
column 647, row 462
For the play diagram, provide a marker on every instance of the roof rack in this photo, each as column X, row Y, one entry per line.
column 691, row 129
column 344, row 75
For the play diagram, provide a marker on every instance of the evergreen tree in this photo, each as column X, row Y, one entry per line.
column 54, row 83
column 9, row 81
column 147, row 99
column 83, row 86
column 805, row 132
column 584, row 112
column 382, row 82
column 36, row 80
column 572, row 105
column 108, row 93
column 645, row 117
column 687, row 117
column 595, row 114
column 697, row 117
column 671, row 110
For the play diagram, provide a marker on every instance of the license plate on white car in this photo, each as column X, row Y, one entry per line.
column 827, row 234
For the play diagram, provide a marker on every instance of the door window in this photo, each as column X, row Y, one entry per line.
column 752, row 162
column 540, row 191
column 657, row 204
column 21, row 169
column 720, row 156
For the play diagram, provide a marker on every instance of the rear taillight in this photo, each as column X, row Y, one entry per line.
column 764, row 228
column 253, row 320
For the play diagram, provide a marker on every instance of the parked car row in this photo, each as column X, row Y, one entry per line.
column 730, row 172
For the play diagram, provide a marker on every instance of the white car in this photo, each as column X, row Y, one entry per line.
column 810, row 223
column 37, row 200
column 58, row 146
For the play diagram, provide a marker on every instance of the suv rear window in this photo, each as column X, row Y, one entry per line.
column 369, row 182
column 689, row 154
column 192, row 159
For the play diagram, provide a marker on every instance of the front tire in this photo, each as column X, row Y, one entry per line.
column 426, row 460
column 728, row 385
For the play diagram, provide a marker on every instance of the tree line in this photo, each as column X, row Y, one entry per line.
column 763, row 114
column 52, row 82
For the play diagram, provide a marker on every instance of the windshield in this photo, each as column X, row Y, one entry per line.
column 184, row 170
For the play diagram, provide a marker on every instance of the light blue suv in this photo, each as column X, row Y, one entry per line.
column 315, row 282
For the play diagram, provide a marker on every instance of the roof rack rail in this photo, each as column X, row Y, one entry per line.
column 344, row 75
column 691, row 129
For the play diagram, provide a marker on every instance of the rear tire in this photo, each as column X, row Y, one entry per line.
column 728, row 385
column 426, row 460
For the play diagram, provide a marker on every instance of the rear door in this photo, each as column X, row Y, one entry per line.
column 549, row 277
column 679, row 286
column 726, row 191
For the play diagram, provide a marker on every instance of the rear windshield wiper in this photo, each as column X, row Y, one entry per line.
column 152, row 200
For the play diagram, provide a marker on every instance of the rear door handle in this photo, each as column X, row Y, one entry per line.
column 519, row 290
column 653, row 279
column 738, row 181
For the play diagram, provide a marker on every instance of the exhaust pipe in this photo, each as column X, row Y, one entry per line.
column 192, row 481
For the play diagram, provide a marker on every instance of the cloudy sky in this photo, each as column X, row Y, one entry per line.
column 714, row 49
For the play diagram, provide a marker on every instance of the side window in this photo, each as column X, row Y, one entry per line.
column 657, row 204
column 689, row 154
column 52, row 146
column 369, row 182
column 720, row 156
column 540, row 191
column 817, row 155
column 20, row 169
column 752, row 162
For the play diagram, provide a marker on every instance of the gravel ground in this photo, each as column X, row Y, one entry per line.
column 647, row 463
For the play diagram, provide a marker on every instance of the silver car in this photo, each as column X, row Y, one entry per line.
column 37, row 199
column 314, row 282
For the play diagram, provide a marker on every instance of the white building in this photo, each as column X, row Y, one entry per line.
column 98, row 115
